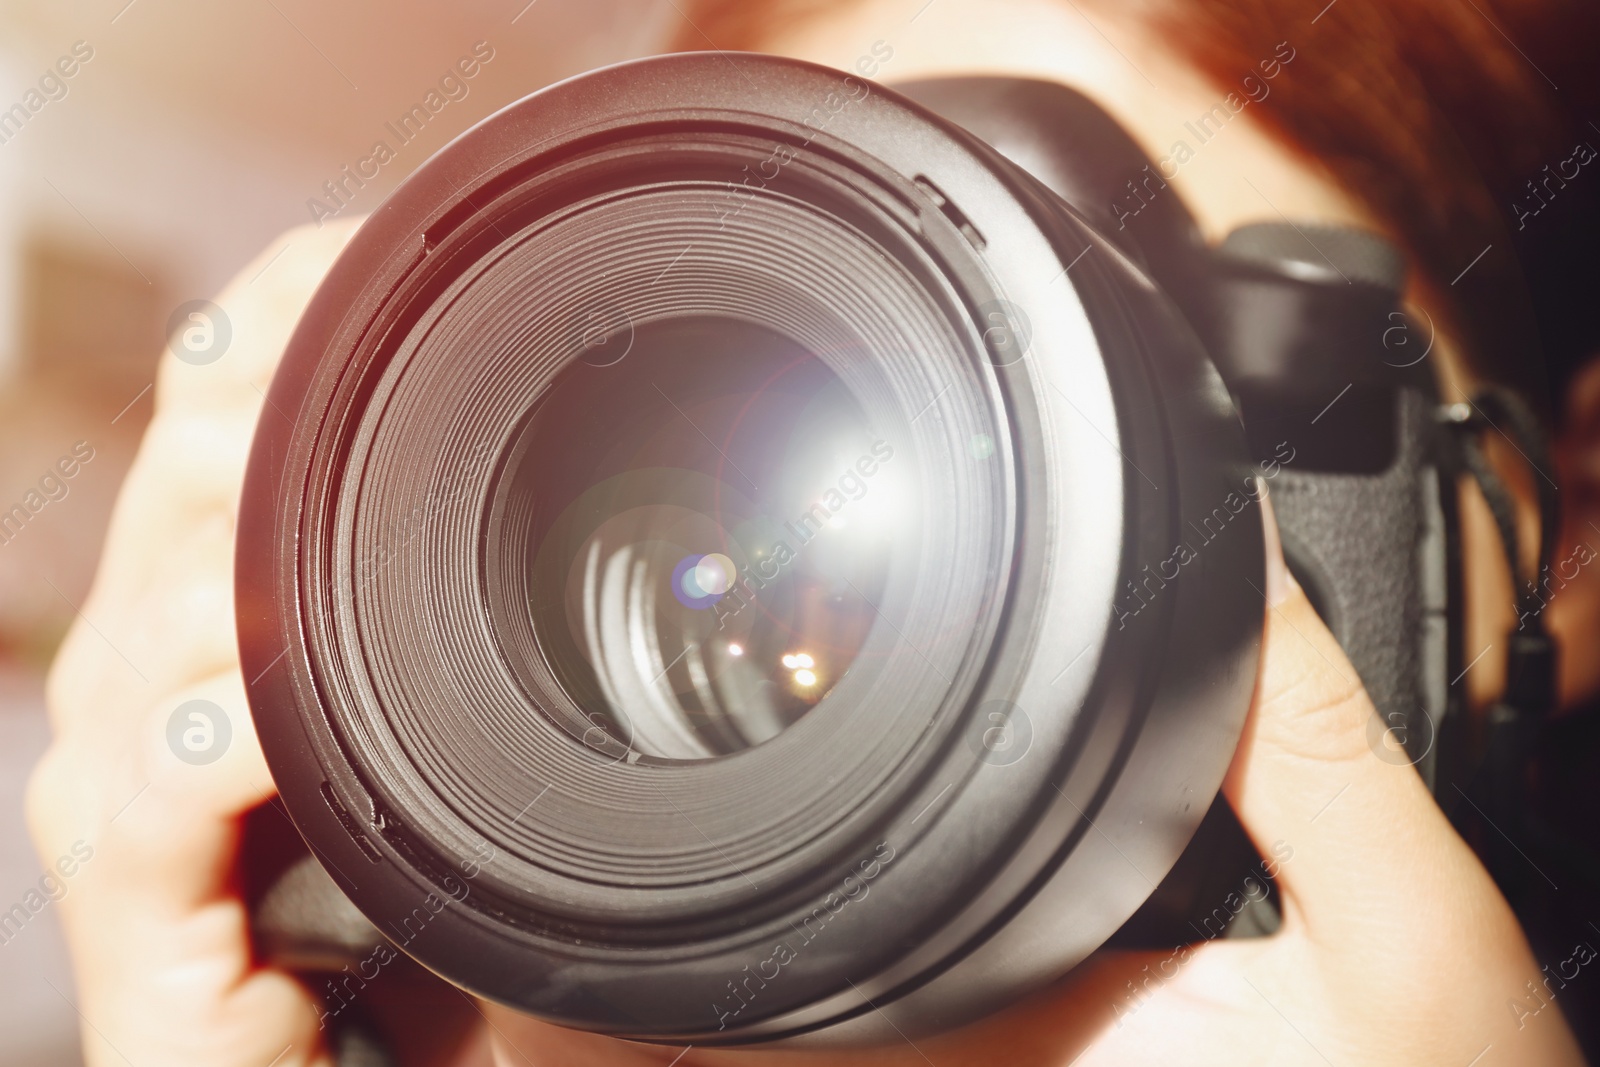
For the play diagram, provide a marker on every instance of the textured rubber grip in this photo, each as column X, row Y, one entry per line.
column 1370, row 550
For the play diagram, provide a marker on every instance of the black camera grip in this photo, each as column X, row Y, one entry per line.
column 1338, row 402
column 1374, row 555
column 1370, row 549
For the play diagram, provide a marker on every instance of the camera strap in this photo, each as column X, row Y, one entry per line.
column 1530, row 668
column 1514, row 723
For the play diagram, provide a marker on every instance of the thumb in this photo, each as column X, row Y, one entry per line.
column 1350, row 828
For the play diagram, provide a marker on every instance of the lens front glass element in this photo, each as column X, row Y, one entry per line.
column 712, row 520
column 670, row 556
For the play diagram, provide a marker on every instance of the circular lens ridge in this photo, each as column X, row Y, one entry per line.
column 675, row 508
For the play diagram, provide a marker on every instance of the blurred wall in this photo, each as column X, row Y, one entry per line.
column 148, row 149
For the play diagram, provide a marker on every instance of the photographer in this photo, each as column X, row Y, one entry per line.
column 1396, row 947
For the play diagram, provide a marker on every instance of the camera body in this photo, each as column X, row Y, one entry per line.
column 1042, row 692
column 1341, row 413
column 1305, row 324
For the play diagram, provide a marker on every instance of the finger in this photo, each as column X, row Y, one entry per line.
column 151, row 908
column 204, row 770
column 176, row 633
column 187, row 771
column 261, row 307
column 203, row 757
column 154, row 824
column 1355, row 839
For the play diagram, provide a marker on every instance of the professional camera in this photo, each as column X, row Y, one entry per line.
column 737, row 553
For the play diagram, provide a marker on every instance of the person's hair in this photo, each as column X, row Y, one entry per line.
column 1441, row 116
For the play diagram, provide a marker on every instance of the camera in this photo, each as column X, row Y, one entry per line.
column 737, row 553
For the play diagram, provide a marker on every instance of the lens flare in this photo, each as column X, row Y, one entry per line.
column 699, row 581
column 714, row 574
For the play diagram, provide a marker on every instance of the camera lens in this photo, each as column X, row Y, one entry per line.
column 704, row 559
column 613, row 441
column 680, row 566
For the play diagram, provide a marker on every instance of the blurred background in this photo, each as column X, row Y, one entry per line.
column 189, row 135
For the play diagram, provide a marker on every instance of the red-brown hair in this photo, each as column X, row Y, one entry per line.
column 1436, row 114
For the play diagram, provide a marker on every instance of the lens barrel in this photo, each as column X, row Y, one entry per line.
column 719, row 581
